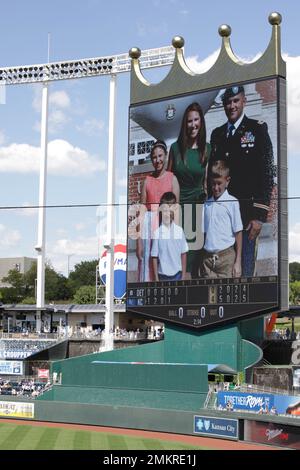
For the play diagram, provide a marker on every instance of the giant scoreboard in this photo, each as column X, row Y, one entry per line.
column 161, row 281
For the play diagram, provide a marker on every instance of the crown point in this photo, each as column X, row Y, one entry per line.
column 224, row 30
column 275, row 18
column 178, row 42
column 135, row 53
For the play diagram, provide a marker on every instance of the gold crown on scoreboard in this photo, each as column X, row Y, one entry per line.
column 226, row 70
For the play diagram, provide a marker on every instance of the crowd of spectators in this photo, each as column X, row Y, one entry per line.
column 28, row 388
column 118, row 333
column 284, row 334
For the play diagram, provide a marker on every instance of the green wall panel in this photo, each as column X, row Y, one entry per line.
column 210, row 347
column 135, row 398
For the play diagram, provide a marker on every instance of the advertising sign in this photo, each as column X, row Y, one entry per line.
column 11, row 367
column 120, row 257
column 203, row 223
column 16, row 354
column 246, row 401
column 272, row 433
column 218, row 427
column 43, row 373
column 16, row 409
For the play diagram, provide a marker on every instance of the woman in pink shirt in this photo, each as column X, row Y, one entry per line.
column 155, row 185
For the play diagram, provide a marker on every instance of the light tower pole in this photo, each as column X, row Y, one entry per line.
column 110, row 242
column 40, row 247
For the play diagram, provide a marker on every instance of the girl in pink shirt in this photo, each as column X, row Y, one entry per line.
column 155, row 185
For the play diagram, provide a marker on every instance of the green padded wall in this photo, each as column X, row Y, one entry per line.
column 165, row 386
column 192, row 378
column 153, row 352
column 222, row 346
column 250, row 354
column 253, row 329
column 129, row 397
column 168, row 374
column 209, row 347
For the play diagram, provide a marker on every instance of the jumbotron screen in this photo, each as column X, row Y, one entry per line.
column 203, row 223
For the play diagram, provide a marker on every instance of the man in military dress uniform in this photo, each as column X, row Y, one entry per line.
column 246, row 146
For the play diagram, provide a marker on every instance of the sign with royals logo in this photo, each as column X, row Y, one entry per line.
column 246, row 401
column 120, row 262
column 219, row 427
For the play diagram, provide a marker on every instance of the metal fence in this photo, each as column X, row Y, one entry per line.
column 252, row 388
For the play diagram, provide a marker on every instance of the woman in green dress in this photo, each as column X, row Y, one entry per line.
column 188, row 159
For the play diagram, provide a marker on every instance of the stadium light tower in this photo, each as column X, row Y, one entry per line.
column 80, row 68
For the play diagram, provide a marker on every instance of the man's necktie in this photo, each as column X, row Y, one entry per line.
column 230, row 131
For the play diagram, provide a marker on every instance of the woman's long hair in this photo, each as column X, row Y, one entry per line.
column 183, row 141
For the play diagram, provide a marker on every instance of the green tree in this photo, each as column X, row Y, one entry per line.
column 8, row 295
column 15, row 279
column 295, row 293
column 85, row 295
column 84, row 274
column 24, row 285
column 56, row 285
column 17, row 288
column 294, row 271
column 30, row 278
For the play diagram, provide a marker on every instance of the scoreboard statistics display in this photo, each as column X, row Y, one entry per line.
column 203, row 302
column 203, row 205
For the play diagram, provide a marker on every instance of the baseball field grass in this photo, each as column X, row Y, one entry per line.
column 27, row 437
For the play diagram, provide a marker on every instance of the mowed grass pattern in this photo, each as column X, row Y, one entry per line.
column 28, row 437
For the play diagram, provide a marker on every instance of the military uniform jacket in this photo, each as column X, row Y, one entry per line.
column 249, row 154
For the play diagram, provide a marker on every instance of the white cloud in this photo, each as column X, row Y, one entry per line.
column 59, row 99
column 66, row 252
column 8, row 237
column 202, row 66
column 82, row 246
column 57, row 121
column 293, row 101
column 91, row 127
column 28, row 211
column 294, row 243
column 63, row 159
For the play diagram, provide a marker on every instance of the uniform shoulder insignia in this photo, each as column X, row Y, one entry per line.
column 260, row 122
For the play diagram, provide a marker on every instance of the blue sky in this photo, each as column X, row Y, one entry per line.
column 78, row 113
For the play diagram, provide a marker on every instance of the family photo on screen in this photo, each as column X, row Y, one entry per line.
column 203, row 184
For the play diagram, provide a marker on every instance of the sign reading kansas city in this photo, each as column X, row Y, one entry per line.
column 217, row 427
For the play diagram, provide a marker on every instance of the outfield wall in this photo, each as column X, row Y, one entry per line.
column 272, row 430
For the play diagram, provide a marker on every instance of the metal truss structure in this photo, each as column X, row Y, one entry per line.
column 79, row 68
column 46, row 74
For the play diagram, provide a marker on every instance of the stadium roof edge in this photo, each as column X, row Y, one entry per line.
column 64, row 308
